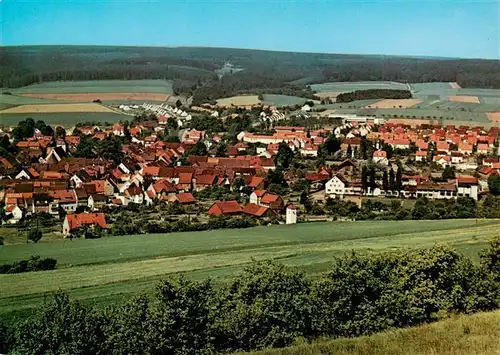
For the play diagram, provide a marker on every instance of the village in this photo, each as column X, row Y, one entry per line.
column 285, row 174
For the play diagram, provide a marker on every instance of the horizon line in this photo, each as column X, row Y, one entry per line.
column 248, row 48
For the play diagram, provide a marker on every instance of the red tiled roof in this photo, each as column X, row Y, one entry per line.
column 260, row 193
column 255, row 210
column 380, row 154
column 228, row 206
column 467, row 180
column 185, row 178
column 255, row 181
column 185, row 197
column 76, row 221
column 269, row 198
column 151, row 170
column 51, row 175
column 205, row 179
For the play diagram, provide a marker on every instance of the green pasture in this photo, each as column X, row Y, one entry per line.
column 67, row 119
column 105, row 270
column 97, row 86
column 282, row 100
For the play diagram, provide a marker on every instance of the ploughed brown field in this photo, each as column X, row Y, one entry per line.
column 494, row 116
column 395, row 103
column 55, row 108
column 126, row 96
column 471, row 99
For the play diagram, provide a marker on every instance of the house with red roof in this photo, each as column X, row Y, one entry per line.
column 184, row 198
column 442, row 160
column 272, row 201
column 443, row 146
column 483, row 148
column 467, row 186
column 465, row 148
column 255, row 210
column 201, row 182
column 223, row 208
column 73, row 222
column 421, row 155
column 255, row 182
column 380, row 157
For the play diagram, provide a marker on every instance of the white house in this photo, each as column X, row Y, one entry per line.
column 380, row 157
column 23, row 175
column 291, row 214
column 306, row 108
column 338, row 186
column 467, row 186
column 14, row 216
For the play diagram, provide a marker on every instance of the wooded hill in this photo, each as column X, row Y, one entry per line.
column 192, row 69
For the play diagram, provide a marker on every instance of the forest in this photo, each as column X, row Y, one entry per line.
column 374, row 94
column 268, row 305
column 192, row 69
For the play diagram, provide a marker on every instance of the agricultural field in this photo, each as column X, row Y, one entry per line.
column 97, row 86
column 464, row 98
column 242, row 100
column 282, row 100
column 105, row 270
column 57, row 108
column 395, row 103
column 106, row 97
column 475, row 334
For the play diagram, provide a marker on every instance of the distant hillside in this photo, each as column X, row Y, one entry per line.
column 194, row 70
column 477, row 334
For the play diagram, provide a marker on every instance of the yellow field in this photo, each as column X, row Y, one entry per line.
column 395, row 103
column 244, row 100
column 455, row 86
column 57, row 108
column 126, row 96
column 471, row 99
column 494, row 116
column 327, row 94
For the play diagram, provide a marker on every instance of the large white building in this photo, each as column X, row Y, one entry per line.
column 338, row 186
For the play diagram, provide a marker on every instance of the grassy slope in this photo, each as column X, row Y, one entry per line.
column 98, row 86
column 477, row 334
column 107, row 269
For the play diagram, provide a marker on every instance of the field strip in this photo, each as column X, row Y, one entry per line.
column 463, row 98
column 93, row 275
column 55, row 108
column 395, row 103
column 126, row 96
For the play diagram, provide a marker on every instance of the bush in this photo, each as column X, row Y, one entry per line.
column 34, row 263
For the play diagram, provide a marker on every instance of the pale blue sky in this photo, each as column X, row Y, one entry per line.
column 452, row 28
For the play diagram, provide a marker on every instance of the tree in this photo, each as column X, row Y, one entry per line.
column 180, row 322
column 448, row 173
column 362, row 148
column 267, row 305
column 372, row 183
column 333, row 144
column 494, row 184
column 61, row 326
column 348, row 152
column 199, row 148
column 385, row 182
column 364, row 178
column 221, row 150
column 399, row 184
column 35, row 234
column 284, row 157
column 60, row 132
column 178, row 103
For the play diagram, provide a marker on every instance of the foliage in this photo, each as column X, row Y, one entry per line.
column 373, row 94
column 34, row 263
column 448, row 173
column 284, row 157
column 269, row 305
column 61, row 327
column 494, row 184
column 35, row 234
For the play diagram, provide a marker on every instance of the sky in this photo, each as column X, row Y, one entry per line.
column 446, row 28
